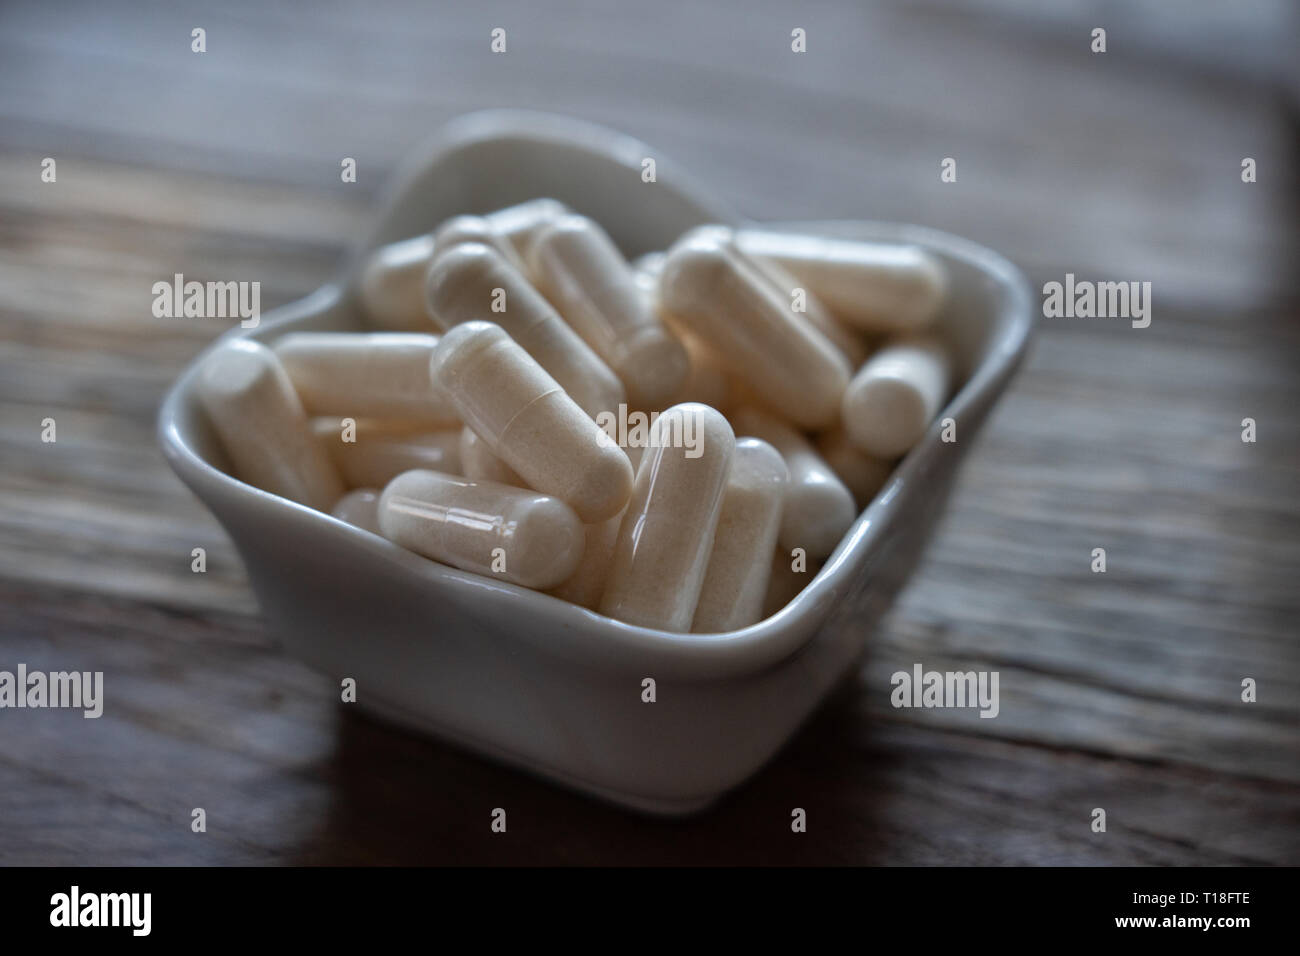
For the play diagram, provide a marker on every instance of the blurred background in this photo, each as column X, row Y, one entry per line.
column 1120, row 691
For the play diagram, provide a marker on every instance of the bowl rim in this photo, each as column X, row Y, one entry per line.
column 703, row 656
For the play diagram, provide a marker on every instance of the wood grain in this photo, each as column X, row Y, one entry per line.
column 1119, row 690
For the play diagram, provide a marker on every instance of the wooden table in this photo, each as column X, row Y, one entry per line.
column 1119, row 690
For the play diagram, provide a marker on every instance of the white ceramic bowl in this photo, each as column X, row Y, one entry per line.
column 522, row 676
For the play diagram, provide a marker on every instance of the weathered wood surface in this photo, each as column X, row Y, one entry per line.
column 1119, row 690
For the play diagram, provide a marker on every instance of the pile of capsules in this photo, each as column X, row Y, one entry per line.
column 531, row 407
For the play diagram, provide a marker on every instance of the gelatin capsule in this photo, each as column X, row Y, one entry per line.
column 706, row 382
column 392, row 285
column 634, row 453
column 861, row 474
column 818, row 509
column 735, row 583
column 706, row 378
column 478, row 462
column 346, row 425
column 667, row 533
column 392, row 278
column 500, row 532
column 587, row 584
column 462, row 229
column 646, row 269
column 377, row 456
column 520, row 223
column 729, row 303
column 850, row 342
column 360, row 508
column 785, row 583
column 876, row 286
column 584, row 274
column 892, row 399
column 528, row 421
column 473, row 282
column 261, row 423
column 382, row 375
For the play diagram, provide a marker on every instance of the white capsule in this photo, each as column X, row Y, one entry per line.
column 587, row 584
column 634, row 455
column 376, row 456
column 349, row 428
column 520, row 223
column 744, row 395
column 667, row 532
column 729, row 303
column 706, row 380
column 392, row 285
column 849, row 342
column 474, row 282
column 785, row 582
column 891, row 401
column 478, row 462
column 462, row 229
column 862, row 474
column 392, row 277
column 366, row 375
column 646, row 268
column 584, row 274
column 803, row 305
column 494, row 530
column 876, row 286
column 706, row 383
column 261, row 423
column 360, row 508
column 819, row 509
column 738, row 570
column 528, row 421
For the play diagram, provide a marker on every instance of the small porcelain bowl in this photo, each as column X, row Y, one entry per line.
column 522, row 676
